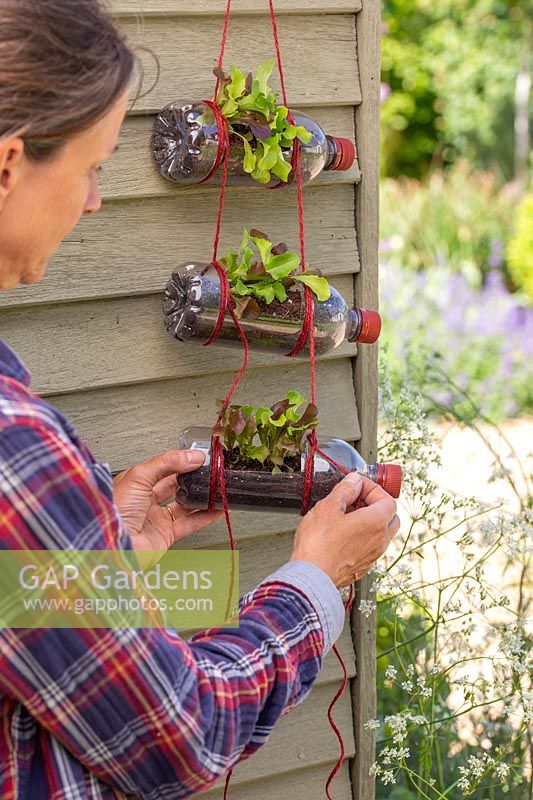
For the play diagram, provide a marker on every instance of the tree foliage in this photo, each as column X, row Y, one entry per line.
column 450, row 68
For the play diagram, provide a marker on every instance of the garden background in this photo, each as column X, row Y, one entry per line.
column 455, row 663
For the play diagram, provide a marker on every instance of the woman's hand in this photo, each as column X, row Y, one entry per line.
column 139, row 492
column 346, row 533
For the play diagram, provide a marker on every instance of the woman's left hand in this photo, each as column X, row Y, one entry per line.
column 140, row 490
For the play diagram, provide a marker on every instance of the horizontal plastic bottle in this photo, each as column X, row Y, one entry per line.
column 260, row 490
column 192, row 303
column 185, row 148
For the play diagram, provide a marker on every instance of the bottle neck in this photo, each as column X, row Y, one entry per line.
column 333, row 153
column 372, row 472
column 354, row 324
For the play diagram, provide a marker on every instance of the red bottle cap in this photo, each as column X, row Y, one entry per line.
column 390, row 478
column 346, row 154
column 370, row 326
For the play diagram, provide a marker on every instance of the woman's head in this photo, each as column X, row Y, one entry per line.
column 65, row 71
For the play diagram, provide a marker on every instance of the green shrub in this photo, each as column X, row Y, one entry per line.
column 520, row 248
column 461, row 219
column 449, row 72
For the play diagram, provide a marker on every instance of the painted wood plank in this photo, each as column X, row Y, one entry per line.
column 306, row 783
column 131, row 248
column 320, row 61
column 131, row 173
column 125, row 425
column 208, row 8
column 363, row 687
column 128, row 344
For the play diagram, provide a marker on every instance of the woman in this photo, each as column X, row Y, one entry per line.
column 109, row 713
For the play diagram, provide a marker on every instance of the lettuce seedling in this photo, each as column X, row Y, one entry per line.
column 268, row 435
column 250, row 108
column 263, row 271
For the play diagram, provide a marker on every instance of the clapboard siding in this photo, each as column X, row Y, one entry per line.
column 131, row 173
column 131, row 247
column 206, row 8
column 306, row 783
column 320, row 61
column 131, row 423
column 131, row 327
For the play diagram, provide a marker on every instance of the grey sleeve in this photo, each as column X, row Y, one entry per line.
column 322, row 593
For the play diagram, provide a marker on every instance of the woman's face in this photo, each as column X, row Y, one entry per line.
column 42, row 201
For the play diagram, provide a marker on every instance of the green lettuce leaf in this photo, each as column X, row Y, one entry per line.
column 250, row 160
column 282, row 169
column 282, row 266
column 238, row 83
column 264, row 247
column 319, row 286
column 262, row 76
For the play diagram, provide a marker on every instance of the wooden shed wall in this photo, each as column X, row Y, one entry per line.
column 92, row 331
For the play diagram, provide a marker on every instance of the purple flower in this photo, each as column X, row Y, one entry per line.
column 512, row 408
column 506, row 368
column 517, row 318
column 384, row 91
column 420, row 280
column 444, row 398
column 495, row 255
column 493, row 279
column 441, row 258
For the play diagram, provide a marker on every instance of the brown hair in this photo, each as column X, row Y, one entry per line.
column 63, row 64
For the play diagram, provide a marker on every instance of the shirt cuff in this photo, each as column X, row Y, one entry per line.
column 321, row 592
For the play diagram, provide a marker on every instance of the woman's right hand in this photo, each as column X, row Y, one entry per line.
column 346, row 533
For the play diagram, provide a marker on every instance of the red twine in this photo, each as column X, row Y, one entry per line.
column 217, row 483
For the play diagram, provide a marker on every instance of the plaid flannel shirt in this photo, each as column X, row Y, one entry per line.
column 101, row 714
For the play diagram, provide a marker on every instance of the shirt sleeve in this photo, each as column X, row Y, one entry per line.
column 143, row 709
column 321, row 591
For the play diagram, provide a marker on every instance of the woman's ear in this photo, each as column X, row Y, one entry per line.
column 11, row 153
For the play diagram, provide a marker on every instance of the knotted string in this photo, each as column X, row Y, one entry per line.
column 307, row 336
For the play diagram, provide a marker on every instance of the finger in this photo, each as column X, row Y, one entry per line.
column 378, row 504
column 382, row 548
column 195, row 521
column 165, row 489
column 394, row 526
column 168, row 463
column 372, row 493
column 345, row 493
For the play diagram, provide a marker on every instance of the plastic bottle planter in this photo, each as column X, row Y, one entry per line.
column 192, row 303
column 260, row 490
column 185, row 145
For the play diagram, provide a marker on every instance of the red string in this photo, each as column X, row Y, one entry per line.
column 223, row 138
column 338, row 695
column 222, row 46
column 307, row 336
column 334, row 463
column 226, row 785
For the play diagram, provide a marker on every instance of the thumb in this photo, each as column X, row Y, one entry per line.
column 168, row 463
column 346, row 493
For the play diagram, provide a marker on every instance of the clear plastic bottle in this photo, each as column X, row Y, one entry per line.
column 252, row 490
column 192, row 303
column 185, row 145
